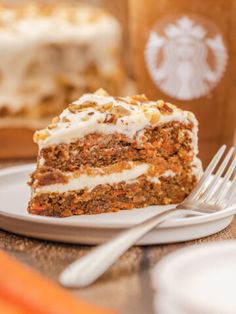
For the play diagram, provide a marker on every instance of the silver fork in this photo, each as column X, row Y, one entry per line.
column 206, row 198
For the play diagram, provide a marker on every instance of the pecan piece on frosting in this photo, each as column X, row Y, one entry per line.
column 101, row 92
column 165, row 108
column 40, row 135
column 110, row 118
column 120, row 111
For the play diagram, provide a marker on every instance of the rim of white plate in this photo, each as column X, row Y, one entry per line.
column 175, row 222
column 165, row 274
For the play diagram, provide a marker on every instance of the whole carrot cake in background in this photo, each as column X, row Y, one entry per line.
column 51, row 54
column 107, row 153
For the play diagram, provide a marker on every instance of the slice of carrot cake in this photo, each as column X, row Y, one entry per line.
column 107, row 153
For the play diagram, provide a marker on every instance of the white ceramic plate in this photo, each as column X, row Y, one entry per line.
column 93, row 229
column 197, row 279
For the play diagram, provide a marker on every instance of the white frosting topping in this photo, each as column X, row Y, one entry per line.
column 91, row 119
column 46, row 48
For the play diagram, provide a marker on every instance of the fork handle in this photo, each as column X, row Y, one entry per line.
column 87, row 269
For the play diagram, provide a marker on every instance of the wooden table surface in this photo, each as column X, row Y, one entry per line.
column 125, row 287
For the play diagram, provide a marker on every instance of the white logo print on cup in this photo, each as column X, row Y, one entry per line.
column 185, row 58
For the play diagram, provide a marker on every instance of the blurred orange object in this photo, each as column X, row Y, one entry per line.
column 23, row 291
column 7, row 308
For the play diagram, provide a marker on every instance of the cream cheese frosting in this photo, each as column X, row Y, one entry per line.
column 105, row 114
column 89, row 182
column 86, row 181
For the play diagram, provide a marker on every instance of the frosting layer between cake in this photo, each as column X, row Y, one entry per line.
column 85, row 181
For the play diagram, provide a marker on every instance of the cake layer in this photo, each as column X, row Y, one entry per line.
column 119, row 196
column 89, row 181
column 170, row 140
column 50, row 179
column 57, row 182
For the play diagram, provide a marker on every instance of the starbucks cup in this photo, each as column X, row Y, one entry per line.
column 185, row 52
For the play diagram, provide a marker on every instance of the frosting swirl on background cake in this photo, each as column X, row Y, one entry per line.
column 44, row 47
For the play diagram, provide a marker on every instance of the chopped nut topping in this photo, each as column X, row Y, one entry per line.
column 155, row 118
column 105, row 107
column 165, row 109
column 52, row 126
column 123, row 99
column 88, row 104
column 56, row 119
column 133, row 101
column 120, row 111
column 140, row 98
column 137, row 99
column 160, row 103
column 90, row 113
column 74, row 108
column 40, row 135
column 65, row 119
column 110, row 118
column 171, row 105
column 101, row 92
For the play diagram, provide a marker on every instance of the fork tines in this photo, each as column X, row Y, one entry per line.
column 220, row 190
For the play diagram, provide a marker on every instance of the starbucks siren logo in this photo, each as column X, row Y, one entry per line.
column 186, row 58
